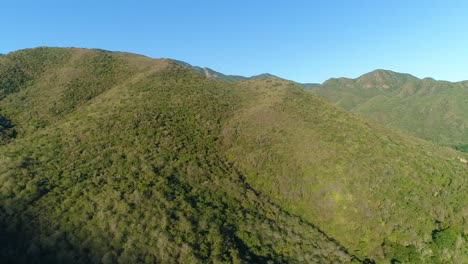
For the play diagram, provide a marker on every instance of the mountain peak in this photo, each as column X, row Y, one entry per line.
column 381, row 75
column 384, row 79
column 265, row 76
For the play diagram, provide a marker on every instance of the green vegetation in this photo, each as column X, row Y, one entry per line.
column 119, row 158
column 12, row 77
column 432, row 110
column 363, row 185
column 7, row 131
column 131, row 173
column 463, row 148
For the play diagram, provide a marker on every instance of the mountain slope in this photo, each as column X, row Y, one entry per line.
column 121, row 158
column 127, row 170
column 426, row 108
column 363, row 185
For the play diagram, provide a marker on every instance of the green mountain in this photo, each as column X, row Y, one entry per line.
column 119, row 158
column 433, row 110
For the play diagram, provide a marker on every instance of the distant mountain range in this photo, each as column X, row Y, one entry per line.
column 220, row 76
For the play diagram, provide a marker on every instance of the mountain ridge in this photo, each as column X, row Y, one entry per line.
column 210, row 73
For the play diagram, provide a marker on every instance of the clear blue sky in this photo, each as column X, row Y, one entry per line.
column 306, row 41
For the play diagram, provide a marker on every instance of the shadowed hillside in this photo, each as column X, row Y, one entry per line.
column 426, row 108
column 7, row 131
column 118, row 158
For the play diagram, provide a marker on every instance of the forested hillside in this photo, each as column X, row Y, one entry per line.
column 116, row 161
column 118, row 158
